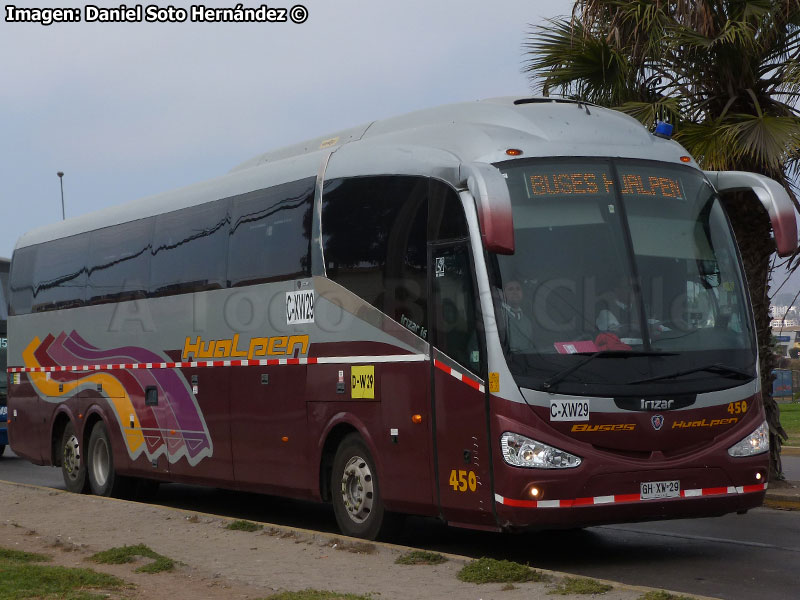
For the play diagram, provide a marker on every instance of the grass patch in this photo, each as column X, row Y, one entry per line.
column 489, row 570
column 8, row 555
column 662, row 595
column 316, row 595
column 241, row 525
column 790, row 419
column 127, row 554
column 421, row 557
column 580, row 585
column 23, row 579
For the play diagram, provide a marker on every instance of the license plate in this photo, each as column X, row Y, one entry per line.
column 660, row 489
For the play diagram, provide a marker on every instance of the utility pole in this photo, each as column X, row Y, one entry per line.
column 61, row 180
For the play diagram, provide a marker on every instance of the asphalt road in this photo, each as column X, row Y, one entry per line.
column 737, row 557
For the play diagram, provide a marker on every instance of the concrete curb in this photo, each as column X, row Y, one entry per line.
column 332, row 537
column 790, row 450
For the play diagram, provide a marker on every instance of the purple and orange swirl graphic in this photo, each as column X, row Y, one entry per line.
column 174, row 427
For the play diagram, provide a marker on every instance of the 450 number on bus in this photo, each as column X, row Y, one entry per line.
column 461, row 481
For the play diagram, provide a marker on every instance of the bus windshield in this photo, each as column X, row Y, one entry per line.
column 632, row 261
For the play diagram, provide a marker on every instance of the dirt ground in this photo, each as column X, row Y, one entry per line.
column 220, row 563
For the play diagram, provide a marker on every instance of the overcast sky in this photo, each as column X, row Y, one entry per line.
column 129, row 110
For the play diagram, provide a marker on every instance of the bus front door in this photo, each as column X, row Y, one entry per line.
column 459, row 400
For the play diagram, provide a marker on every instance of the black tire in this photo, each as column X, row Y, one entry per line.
column 103, row 478
column 355, row 489
column 2, row 449
column 73, row 464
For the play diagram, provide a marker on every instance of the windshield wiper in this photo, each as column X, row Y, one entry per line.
column 560, row 376
column 718, row 368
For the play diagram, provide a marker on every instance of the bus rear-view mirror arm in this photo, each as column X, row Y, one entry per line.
column 493, row 203
column 773, row 196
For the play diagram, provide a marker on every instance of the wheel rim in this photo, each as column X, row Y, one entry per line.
column 100, row 462
column 357, row 489
column 72, row 457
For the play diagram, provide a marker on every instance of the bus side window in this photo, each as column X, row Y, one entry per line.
column 446, row 220
column 456, row 323
column 59, row 273
column 20, row 284
column 119, row 262
column 374, row 236
column 270, row 236
column 190, row 249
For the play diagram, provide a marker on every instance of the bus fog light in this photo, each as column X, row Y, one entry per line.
column 755, row 443
column 521, row 451
column 758, row 477
column 534, row 492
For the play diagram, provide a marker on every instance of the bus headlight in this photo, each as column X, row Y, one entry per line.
column 755, row 443
column 521, row 451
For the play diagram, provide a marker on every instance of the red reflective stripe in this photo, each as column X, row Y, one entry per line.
column 747, row 489
column 225, row 363
column 471, row 383
column 441, row 366
column 582, row 501
column 627, row 497
column 519, row 503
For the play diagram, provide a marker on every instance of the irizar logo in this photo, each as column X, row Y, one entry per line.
column 657, row 404
column 657, row 421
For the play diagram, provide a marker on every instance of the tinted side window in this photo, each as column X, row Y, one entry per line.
column 119, row 262
column 446, row 219
column 270, row 234
column 374, row 237
column 59, row 273
column 190, row 249
column 456, row 318
column 20, row 285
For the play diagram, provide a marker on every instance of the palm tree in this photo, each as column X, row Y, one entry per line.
column 725, row 73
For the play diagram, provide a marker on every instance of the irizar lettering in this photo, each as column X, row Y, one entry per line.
column 657, row 404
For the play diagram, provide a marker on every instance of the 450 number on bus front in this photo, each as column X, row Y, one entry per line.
column 461, row 481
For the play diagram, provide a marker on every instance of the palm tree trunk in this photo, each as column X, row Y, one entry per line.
column 752, row 228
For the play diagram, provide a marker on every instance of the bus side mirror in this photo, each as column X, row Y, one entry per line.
column 773, row 196
column 488, row 186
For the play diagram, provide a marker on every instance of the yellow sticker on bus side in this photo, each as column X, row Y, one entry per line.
column 362, row 381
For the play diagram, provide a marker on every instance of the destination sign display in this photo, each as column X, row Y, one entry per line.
column 573, row 182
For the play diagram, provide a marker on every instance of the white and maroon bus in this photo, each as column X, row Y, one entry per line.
column 508, row 314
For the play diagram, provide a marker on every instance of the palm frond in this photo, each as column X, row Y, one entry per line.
column 766, row 140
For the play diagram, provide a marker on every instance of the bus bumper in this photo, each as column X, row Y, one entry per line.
column 515, row 514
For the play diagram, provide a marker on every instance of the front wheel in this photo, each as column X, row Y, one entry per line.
column 103, row 479
column 357, row 501
column 73, row 466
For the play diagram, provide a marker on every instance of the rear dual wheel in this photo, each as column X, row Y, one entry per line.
column 103, row 479
column 73, row 465
column 91, row 468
